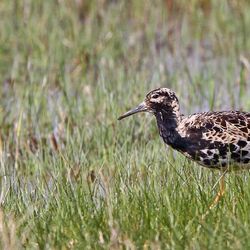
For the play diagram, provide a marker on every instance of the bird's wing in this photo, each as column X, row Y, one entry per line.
column 217, row 134
column 225, row 126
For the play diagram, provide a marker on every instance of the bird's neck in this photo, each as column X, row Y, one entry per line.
column 168, row 122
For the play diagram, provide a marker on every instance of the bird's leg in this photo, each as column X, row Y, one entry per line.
column 221, row 190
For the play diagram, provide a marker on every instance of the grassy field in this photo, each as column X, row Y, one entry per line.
column 71, row 175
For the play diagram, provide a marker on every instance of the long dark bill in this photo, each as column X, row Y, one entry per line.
column 140, row 108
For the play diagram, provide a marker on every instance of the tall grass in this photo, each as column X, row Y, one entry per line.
column 72, row 176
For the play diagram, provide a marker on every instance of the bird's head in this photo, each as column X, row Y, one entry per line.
column 157, row 100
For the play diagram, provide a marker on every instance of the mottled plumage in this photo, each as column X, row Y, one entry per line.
column 212, row 139
column 218, row 139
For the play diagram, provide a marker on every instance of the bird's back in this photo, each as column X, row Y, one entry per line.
column 216, row 139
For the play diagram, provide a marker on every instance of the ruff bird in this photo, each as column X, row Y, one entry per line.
column 216, row 140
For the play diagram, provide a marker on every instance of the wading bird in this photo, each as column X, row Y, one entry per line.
column 216, row 140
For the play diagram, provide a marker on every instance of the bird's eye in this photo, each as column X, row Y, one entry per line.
column 154, row 96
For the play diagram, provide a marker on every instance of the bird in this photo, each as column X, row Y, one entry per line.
column 214, row 139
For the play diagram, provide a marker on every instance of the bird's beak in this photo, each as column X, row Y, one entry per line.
column 140, row 108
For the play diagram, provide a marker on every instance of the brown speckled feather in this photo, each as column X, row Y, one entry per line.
column 223, row 137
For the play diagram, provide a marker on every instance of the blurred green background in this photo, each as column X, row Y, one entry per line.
column 72, row 176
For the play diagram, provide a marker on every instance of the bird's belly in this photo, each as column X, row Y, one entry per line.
column 231, row 165
column 214, row 161
column 215, row 154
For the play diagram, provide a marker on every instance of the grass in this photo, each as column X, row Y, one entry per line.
column 72, row 176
